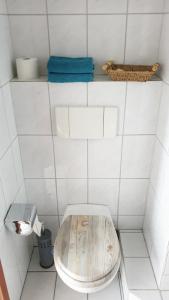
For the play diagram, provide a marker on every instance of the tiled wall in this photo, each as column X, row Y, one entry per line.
column 124, row 30
column 114, row 172
column 14, row 251
column 156, row 225
column 111, row 172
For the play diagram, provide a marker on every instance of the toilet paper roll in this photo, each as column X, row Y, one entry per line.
column 27, row 68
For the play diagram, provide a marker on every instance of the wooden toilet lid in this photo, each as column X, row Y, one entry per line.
column 87, row 247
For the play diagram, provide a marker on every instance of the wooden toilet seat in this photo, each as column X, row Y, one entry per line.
column 87, row 249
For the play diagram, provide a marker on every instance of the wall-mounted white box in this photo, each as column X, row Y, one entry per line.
column 86, row 122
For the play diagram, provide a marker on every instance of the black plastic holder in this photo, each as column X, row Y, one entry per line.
column 45, row 249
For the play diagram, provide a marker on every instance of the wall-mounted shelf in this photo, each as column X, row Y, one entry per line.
column 97, row 78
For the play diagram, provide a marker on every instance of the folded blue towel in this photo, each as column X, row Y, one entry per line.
column 57, row 64
column 54, row 77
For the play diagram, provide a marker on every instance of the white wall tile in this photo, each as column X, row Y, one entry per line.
column 142, row 107
column 112, row 44
column 23, row 249
column 137, row 156
column 66, row 95
column 30, row 38
column 26, row 7
column 148, row 6
column 70, row 158
column 165, row 295
column 133, row 244
column 110, row 6
column 63, row 292
column 110, row 292
column 139, row 274
column 143, row 47
column 66, row 7
column 104, row 158
column 156, row 231
column 42, row 193
column 21, row 196
column 4, row 207
column 3, row 8
column 164, row 48
column 166, row 6
column 4, row 132
column 160, row 170
column 104, row 191
column 166, row 270
column 133, row 194
column 68, row 35
column 44, row 280
column 163, row 121
column 5, row 51
column 17, row 162
column 130, row 222
column 145, row 295
column 148, row 220
column 9, row 264
column 31, row 104
column 108, row 94
column 164, row 283
column 37, row 156
column 8, row 177
column 9, row 111
column 71, row 191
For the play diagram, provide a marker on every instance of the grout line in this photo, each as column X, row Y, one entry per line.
column 87, row 28
column 120, row 285
column 118, row 135
column 8, row 148
column 47, row 19
column 90, row 14
column 53, row 145
column 87, row 94
column 54, row 292
column 6, row 82
column 160, row 36
column 165, row 150
column 126, row 27
column 42, row 271
column 113, row 215
column 150, row 260
column 82, row 178
column 121, row 158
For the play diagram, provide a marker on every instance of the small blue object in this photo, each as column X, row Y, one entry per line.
column 61, row 78
column 64, row 65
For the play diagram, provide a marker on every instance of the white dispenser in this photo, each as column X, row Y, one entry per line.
column 22, row 219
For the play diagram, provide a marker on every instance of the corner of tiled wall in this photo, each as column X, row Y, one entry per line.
column 156, row 221
column 15, row 252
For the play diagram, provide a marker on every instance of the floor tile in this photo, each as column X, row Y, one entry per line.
column 145, row 295
column 139, row 274
column 109, row 293
column 34, row 264
column 39, row 286
column 165, row 295
column 133, row 245
column 63, row 292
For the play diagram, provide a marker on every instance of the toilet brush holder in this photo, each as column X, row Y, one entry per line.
column 45, row 249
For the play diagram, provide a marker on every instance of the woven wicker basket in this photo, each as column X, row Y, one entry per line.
column 129, row 72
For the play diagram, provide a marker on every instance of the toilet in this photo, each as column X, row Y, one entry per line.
column 86, row 251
